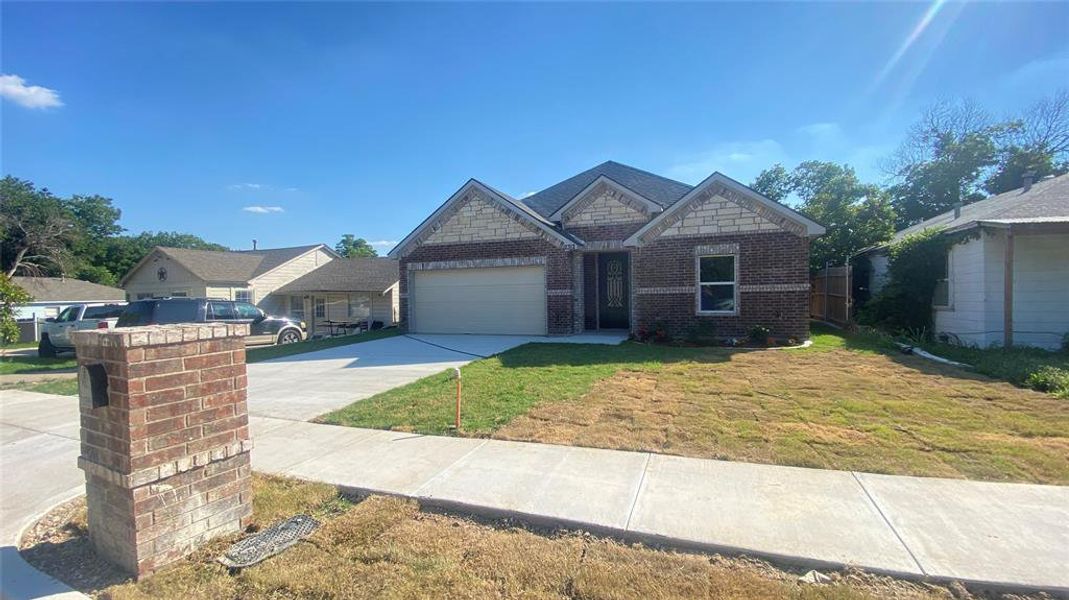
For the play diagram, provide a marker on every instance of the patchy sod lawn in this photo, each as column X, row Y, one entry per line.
column 268, row 352
column 385, row 547
column 15, row 365
column 844, row 403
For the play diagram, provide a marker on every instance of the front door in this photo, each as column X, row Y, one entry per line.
column 614, row 291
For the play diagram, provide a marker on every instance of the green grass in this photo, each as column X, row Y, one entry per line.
column 12, row 365
column 1034, row 368
column 61, row 387
column 19, row 345
column 502, row 387
column 269, row 352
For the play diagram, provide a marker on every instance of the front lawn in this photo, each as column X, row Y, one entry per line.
column 15, row 365
column 60, row 387
column 268, row 352
column 847, row 402
column 384, row 547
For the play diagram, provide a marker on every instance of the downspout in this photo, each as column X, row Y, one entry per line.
column 1007, row 291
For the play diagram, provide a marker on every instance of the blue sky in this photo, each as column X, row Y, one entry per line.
column 362, row 118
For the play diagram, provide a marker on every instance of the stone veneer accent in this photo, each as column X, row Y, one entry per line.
column 722, row 193
column 605, row 205
column 476, row 219
column 717, row 216
column 166, row 460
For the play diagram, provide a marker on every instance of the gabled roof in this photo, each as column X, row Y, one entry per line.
column 63, row 289
column 1047, row 201
column 507, row 202
column 230, row 266
column 660, row 190
column 650, row 206
column 811, row 227
column 357, row 274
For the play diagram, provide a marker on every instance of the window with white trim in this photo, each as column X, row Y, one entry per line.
column 320, row 308
column 717, row 284
column 941, row 294
column 243, row 296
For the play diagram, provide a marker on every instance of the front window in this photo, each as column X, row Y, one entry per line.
column 297, row 307
column 941, row 295
column 180, row 294
column 358, row 307
column 243, row 296
column 717, row 284
column 320, row 308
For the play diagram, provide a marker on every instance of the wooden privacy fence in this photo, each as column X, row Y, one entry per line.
column 829, row 295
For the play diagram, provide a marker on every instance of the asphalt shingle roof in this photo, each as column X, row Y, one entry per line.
column 347, row 275
column 1047, row 201
column 60, row 289
column 661, row 190
column 233, row 266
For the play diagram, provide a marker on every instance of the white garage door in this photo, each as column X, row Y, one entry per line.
column 497, row 300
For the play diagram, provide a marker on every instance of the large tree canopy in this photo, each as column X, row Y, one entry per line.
column 856, row 215
column 957, row 153
column 80, row 236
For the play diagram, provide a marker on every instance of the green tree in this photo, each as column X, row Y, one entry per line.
column 774, row 182
column 351, row 246
column 38, row 230
column 11, row 296
column 857, row 215
column 943, row 159
column 1036, row 142
column 97, row 223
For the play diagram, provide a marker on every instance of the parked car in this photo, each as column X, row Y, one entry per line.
column 263, row 328
column 56, row 331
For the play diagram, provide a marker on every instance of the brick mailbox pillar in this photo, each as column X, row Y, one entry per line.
column 165, row 439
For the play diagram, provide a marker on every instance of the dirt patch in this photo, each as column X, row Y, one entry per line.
column 385, row 547
column 836, row 409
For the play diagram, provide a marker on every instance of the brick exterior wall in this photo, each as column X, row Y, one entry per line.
column 558, row 262
column 765, row 260
column 166, row 460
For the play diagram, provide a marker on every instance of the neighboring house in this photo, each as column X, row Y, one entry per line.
column 1009, row 282
column 345, row 290
column 613, row 247
column 248, row 275
column 52, row 294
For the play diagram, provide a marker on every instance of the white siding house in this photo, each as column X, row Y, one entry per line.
column 1009, row 283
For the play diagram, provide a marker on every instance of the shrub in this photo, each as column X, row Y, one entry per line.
column 915, row 265
column 1049, row 379
column 759, row 334
column 704, row 333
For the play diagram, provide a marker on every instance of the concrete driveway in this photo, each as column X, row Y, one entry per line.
column 304, row 386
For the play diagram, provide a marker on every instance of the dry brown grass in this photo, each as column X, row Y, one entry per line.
column 387, row 548
column 837, row 409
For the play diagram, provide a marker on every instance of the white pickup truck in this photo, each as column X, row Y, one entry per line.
column 56, row 332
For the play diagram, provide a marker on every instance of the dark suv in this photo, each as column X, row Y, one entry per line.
column 263, row 329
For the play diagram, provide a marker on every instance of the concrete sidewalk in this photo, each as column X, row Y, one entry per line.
column 39, row 449
column 998, row 534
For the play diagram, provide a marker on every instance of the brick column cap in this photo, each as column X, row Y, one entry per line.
column 156, row 335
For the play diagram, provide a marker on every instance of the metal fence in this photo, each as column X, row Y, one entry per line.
column 829, row 295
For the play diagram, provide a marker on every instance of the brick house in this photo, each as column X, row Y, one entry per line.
column 613, row 247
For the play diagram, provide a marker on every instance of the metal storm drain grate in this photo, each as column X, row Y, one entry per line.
column 268, row 542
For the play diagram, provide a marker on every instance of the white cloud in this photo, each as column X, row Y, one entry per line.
column 384, row 243
column 821, row 130
column 742, row 160
column 263, row 210
column 14, row 88
column 247, row 186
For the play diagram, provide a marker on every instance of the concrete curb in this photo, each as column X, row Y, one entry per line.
column 19, row 580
